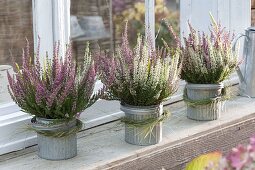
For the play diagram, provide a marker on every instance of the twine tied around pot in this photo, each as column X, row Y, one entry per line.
column 61, row 133
column 225, row 95
column 146, row 124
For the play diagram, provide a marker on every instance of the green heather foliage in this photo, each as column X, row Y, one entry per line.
column 57, row 90
column 208, row 59
column 141, row 76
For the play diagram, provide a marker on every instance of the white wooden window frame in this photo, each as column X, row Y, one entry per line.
column 51, row 21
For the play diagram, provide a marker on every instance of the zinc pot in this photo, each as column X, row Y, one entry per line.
column 140, row 135
column 55, row 148
column 200, row 92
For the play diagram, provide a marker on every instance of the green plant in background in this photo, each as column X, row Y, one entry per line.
column 208, row 59
column 56, row 90
column 141, row 76
column 135, row 16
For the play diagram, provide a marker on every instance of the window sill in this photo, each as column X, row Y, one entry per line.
column 104, row 147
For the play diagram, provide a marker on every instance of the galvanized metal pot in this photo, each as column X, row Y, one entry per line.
column 56, row 148
column 210, row 111
column 137, row 135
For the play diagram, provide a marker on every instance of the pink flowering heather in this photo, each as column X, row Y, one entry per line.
column 141, row 76
column 58, row 90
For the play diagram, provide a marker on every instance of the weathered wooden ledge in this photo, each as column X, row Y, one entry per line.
column 104, row 147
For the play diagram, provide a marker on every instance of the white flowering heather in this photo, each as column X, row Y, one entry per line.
column 208, row 59
column 56, row 91
column 141, row 76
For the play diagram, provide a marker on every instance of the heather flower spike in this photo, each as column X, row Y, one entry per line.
column 56, row 90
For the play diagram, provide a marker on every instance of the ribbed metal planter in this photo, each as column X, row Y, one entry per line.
column 56, row 148
column 136, row 135
column 200, row 92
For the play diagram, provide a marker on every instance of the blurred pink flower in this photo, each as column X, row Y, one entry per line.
column 238, row 157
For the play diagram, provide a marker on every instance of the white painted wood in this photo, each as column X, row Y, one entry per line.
column 150, row 19
column 223, row 9
column 185, row 16
column 43, row 26
column 8, row 108
column 233, row 14
column 61, row 23
column 51, row 21
column 15, row 134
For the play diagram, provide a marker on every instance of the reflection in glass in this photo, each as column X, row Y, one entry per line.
column 91, row 20
column 4, row 95
column 135, row 13
column 102, row 21
column 15, row 27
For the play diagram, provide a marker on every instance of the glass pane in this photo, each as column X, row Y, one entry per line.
column 91, row 21
column 15, row 27
column 132, row 11
column 102, row 21
column 166, row 10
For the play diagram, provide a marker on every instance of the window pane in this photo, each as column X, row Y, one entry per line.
column 132, row 11
column 15, row 27
column 90, row 21
column 102, row 21
column 166, row 10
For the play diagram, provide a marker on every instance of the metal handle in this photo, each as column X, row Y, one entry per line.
column 235, row 42
column 238, row 70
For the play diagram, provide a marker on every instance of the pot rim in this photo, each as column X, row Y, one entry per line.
column 140, row 107
column 204, row 86
column 143, row 110
column 63, row 120
column 46, row 124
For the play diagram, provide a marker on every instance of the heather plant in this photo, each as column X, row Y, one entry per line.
column 208, row 59
column 141, row 76
column 57, row 90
